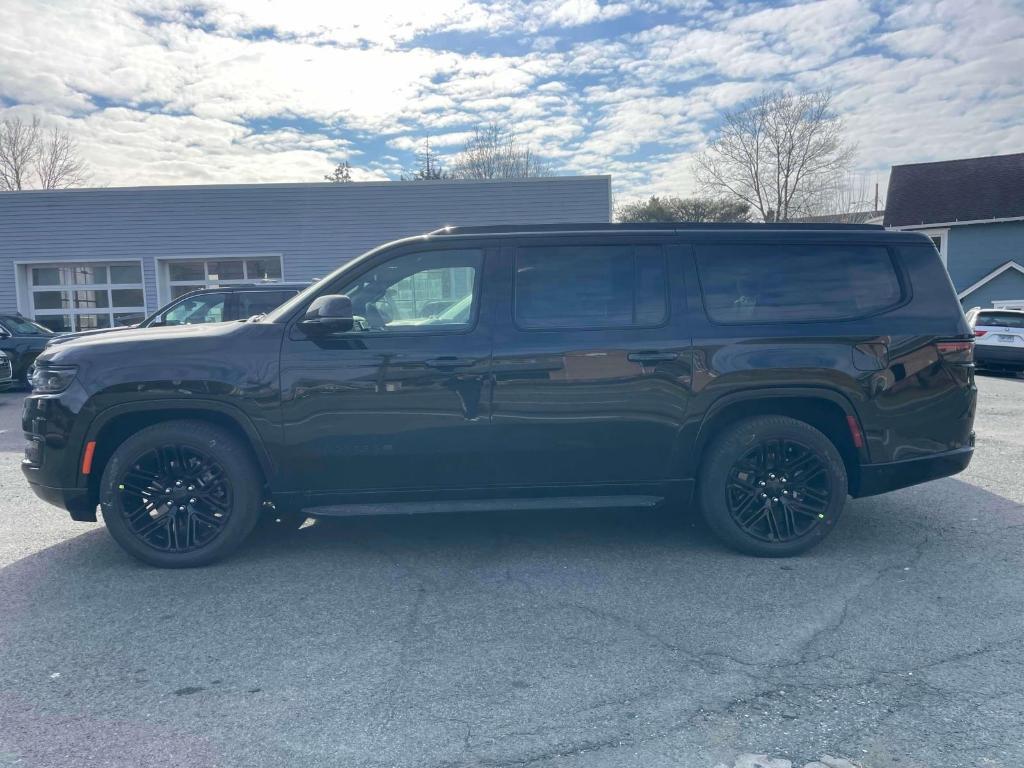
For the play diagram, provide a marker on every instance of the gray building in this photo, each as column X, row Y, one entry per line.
column 85, row 258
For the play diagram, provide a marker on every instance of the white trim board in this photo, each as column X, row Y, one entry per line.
column 990, row 277
column 936, row 224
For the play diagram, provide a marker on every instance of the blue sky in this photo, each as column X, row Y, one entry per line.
column 222, row 91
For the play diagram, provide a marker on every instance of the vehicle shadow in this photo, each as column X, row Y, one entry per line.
column 498, row 638
column 997, row 374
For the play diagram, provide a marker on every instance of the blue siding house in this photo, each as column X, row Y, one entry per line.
column 973, row 210
column 85, row 258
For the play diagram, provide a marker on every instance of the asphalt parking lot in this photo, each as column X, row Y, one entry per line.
column 607, row 639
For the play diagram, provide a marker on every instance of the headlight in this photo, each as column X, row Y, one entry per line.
column 49, row 381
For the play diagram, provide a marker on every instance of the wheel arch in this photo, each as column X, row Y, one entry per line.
column 110, row 428
column 827, row 411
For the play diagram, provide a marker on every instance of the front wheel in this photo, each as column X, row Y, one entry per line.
column 181, row 494
column 772, row 486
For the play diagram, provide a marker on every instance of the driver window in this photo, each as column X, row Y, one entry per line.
column 432, row 290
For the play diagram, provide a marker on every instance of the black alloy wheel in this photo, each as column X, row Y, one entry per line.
column 181, row 493
column 175, row 498
column 778, row 490
column 772, row 486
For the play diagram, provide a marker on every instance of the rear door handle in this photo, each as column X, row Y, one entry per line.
column 450, row 362
column 652, row 356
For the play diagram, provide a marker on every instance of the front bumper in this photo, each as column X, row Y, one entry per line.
column 994, row 354
column 881, row 478
column 54, row 435
column 74, row 500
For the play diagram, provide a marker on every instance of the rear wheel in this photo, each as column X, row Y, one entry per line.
column 181, row 494
column 772, row 486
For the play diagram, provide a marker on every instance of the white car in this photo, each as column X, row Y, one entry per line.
column 999, row 338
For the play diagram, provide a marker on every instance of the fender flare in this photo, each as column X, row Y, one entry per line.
column 232, row 412
column 703, row 435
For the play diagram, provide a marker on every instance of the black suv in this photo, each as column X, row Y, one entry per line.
column 768, row 371
column 21, row 340
column 206, row 305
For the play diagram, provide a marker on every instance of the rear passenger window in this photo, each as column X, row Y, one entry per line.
column 591, row 286
column 781, row 283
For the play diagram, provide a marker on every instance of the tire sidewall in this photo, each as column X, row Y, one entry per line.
column 735, row 442
column 246, row 488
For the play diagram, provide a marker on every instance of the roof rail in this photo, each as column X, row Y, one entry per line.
column 669, row 227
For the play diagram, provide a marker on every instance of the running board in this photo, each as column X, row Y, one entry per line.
column 482, row 505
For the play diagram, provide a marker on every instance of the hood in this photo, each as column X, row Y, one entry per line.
column 149, row 342
column 64, row 338
column 213, row 357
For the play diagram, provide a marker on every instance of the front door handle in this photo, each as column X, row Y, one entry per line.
column 450, row 362
column 652, row 356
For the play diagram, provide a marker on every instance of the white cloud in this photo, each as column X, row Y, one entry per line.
column 166, row 91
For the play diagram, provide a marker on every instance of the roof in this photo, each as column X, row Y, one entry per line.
column 306, row 185
column 975, row 189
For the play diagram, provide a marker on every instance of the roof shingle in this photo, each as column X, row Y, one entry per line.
column 956, row 190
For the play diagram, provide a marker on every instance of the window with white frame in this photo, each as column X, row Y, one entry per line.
column 940, row 238
column 186, row 275
column 83, row 295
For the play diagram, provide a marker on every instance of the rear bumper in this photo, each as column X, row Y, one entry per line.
column 881, row 478
column 992, row 354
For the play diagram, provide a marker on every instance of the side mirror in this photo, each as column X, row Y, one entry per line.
column 329, row 314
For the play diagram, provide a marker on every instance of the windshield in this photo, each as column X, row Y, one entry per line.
column 19, row 326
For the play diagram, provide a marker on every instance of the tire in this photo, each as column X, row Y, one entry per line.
column 772, row 486
column 209, row 502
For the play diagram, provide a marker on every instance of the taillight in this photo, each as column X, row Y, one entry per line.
column 980, row 333
column 956, row 351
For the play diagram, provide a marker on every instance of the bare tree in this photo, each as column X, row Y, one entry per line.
column 779, row 153
column 428, row 166
column 58, row 165
column 342, row 173
column 33, row 157
column 495, row 152
column 850, row 197
column 672, row 209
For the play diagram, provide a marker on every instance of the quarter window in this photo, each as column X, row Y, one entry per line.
column 782, row 283
column 590, row 286
column 75, row 297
